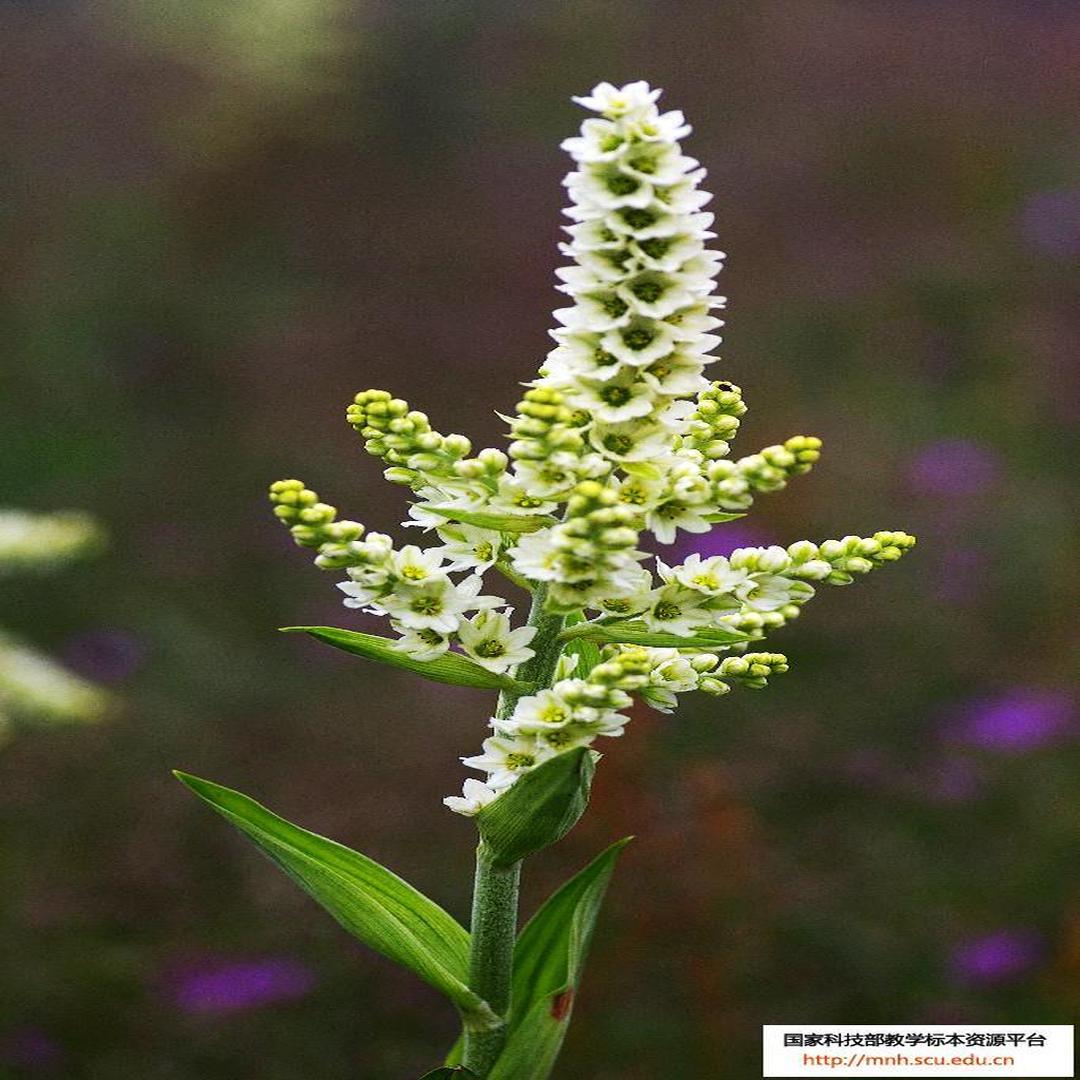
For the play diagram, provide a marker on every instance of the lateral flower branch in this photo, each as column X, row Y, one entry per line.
column 620, row 437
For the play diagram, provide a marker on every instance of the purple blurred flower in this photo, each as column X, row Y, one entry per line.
column 30, row 1048
column 1020, row 720
column 230, row 986
column 720, row 540
column 954, row 467
column 1050, row 222
column 104, row 655
column 998, row 957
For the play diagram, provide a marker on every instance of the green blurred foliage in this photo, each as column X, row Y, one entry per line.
column 220, row 221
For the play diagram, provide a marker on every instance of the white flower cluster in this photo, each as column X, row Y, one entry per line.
column 621, row 434
column 413, row 587
column 31, row 542
column 36, row 690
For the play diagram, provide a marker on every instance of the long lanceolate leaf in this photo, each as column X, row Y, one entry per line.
column 372, row 903
column 449, row 668
column 635, row 632
column 548, row 961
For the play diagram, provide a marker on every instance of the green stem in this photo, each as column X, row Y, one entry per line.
column 491, row 960
column 495, row 893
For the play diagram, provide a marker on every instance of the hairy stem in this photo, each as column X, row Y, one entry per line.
column 495, row 893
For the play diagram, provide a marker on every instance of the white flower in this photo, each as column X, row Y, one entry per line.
column 638, row 343
column 768, row 592
column 469, row 547
column 633, row 98
column 666, row 519
column 475, row 795
column 676, row 610
column 632, row 440
column 616, row 400
column 712, row 576
column 414, row 565
column 505, row 757
column 437, row 604
column 421, row 644
column 488, row 639
column 545, row 711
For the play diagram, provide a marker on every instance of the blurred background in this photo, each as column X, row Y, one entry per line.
column 222, row 220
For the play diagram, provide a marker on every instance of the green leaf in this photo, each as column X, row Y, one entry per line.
column 541, row 808
column 548, row 961
column 372, row 903
column 509, row 523
column 636, row 633
column 587, row 652
column 449, row 668
column 457, row 1072
column 721, row 516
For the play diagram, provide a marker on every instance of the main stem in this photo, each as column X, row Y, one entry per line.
column 495, row 892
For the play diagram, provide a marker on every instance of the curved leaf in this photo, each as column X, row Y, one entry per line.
column 449, row 668
column 509, row 523
column 541, row 808
column 635, row 632
column 548, row 962
column 372, row 903
column 453, row 1072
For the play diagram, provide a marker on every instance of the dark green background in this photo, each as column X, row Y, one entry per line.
column 221, row 220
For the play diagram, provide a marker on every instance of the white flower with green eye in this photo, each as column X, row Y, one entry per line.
column 421, row 644
column 475, row 795
column 674, row 609
column 638, row 342
column 632, row 440
column 468, row 547
column 666, row 519
column 713, row 576
column 506, row 757
column 546, row 711
column 414, row 565
column 770, row 592
column 488, row 639
column 437, row 604
column 618, row 399
column 633, row 100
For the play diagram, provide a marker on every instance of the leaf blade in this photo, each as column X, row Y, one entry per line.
column 371, row 902
column 509, row 523
column 634, row 632
column 548, row 962
column 451, row 668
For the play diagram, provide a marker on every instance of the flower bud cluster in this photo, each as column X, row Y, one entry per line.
column 735, row 483
column 714, row 423
column 589, row 555
column 574, row 712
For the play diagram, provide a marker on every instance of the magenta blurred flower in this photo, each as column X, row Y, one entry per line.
column 1019, row 720
column 998, row 957
column 104, row 655
column 1050, row 222
column 231, row 986
column 31, row 1049
column 954, row 467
